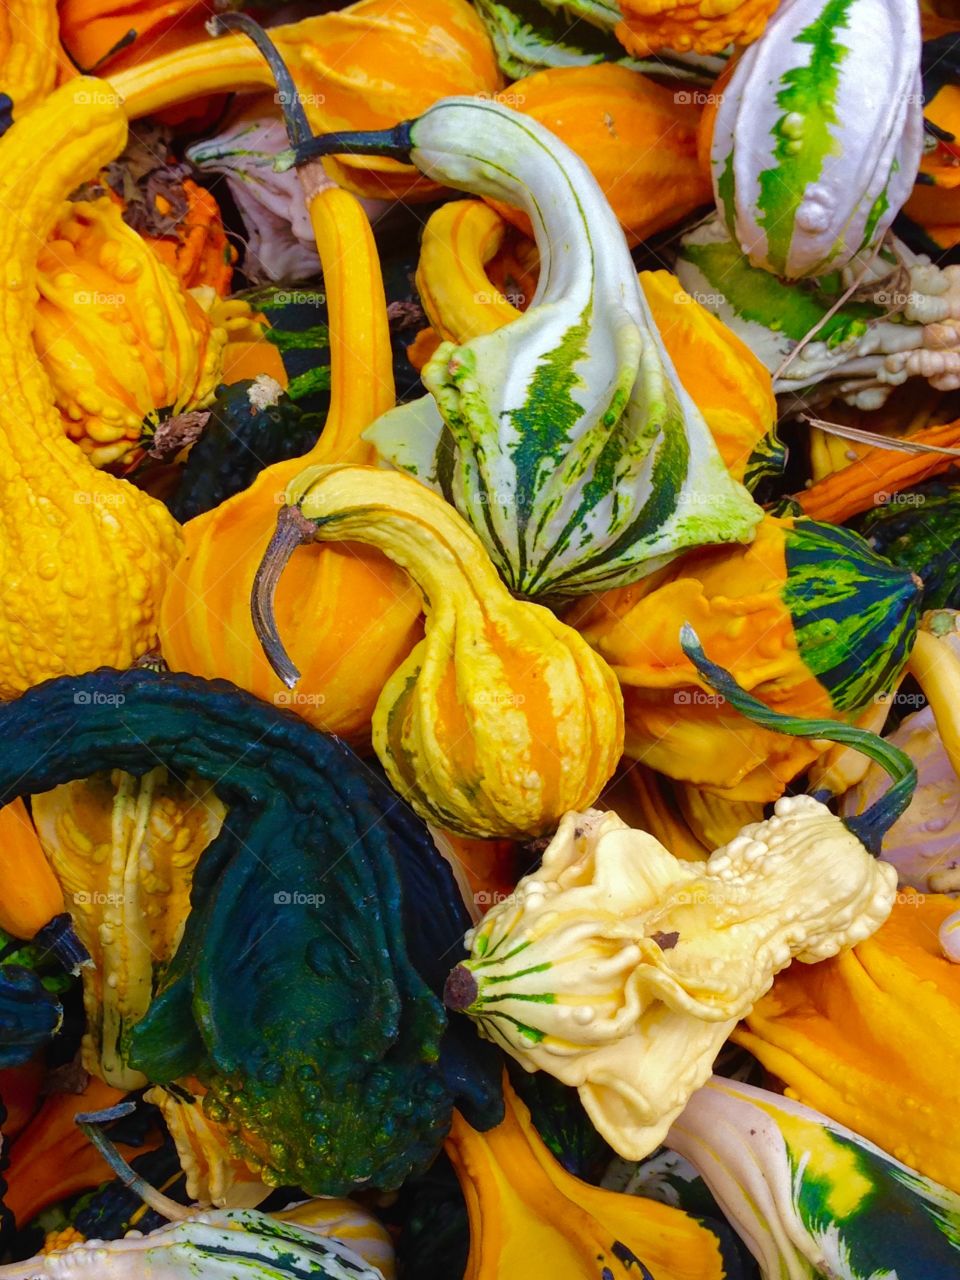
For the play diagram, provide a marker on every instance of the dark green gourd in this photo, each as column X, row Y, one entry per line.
column 300, row 993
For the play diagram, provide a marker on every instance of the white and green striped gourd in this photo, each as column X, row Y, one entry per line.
column 565, row 438
column 818, row 133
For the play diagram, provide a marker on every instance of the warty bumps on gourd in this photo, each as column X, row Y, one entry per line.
column 85, row 556
column 621, row 970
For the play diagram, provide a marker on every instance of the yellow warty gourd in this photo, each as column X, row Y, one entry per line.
column 84, row 556
column 118, row 335
column 124, row 850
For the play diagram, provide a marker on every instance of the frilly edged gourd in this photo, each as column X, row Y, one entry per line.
column 529, row 1216
column 502, row 715
column 870, row 1036
column 621, row 970
column 818, row 134
column 904, row 322
column 811, row 1198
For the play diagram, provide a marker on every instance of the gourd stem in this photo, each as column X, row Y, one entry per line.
column 870, row 826
column 395, row 142
column 288, row 96
column 293, row 530
column 58, row 938
column 89, row 1123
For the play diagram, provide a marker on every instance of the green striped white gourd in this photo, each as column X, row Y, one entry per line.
column 907, row 326
column 818, row 134
column 811, row 1198
column 565, row 438
column 222, row 1244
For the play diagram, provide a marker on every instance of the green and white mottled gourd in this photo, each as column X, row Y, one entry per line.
column 565, row 438
column 219, row 1245
column 905, row 325
column 811, row 1199
column 818, row 134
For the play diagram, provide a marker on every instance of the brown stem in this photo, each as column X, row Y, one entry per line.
column 293, row 530
column 90, row 1124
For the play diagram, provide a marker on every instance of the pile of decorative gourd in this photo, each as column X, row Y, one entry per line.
column 479, row 642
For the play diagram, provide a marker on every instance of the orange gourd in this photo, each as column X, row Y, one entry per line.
column 348, row 614
column 30, row 895
column 638, row 137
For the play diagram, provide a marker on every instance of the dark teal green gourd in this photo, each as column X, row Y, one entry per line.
column 919, row 529
column 294, row 996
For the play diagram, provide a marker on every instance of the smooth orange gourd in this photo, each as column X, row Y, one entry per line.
column 348, row 614
column 30, row 893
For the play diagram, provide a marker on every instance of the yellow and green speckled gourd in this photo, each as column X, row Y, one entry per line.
column 84, row 556
column 502, row 716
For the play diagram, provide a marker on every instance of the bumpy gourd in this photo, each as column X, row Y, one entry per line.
column 117, row 335
column 28, row 52
column 621, row 473
column 501, row 717
column 85, row 556
column 124, row 850
column 818, row 134
column 868, row 1038
column 637, row 137
column 807, row 617
column 698, row 25
column 621, row 970
column 326, row 1072
column 30, row 896
column 361, row 67
column 810, row 1197
column 363, row 613
column 529, row 1217
column 905, row 323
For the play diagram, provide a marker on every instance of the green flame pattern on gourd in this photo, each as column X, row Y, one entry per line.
column 812, row 1198
column 853, row 651
column 565, row 438
column 809, row 92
